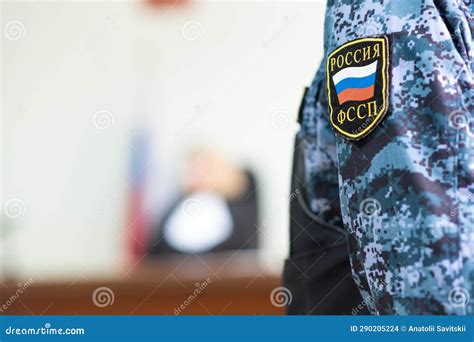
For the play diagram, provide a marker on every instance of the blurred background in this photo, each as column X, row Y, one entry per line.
column 146, row 151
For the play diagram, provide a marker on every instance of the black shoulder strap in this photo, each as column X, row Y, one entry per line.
column 300, row 111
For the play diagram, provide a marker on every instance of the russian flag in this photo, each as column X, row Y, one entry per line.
column 355, row 83
column 138, row 219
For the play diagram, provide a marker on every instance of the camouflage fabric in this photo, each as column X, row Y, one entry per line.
column 405, row 193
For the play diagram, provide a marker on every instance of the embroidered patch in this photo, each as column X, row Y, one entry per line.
column 357, row 86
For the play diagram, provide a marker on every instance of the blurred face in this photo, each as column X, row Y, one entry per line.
column 203, row 170
column 207, row 170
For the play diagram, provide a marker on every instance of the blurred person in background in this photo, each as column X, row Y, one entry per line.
column 217, row 211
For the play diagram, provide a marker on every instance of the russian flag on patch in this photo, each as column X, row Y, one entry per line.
column 355, row 83
column 358, row 85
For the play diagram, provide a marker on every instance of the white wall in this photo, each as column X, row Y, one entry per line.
column 238, row 86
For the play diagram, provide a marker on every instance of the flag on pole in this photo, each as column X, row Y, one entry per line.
column 137, row 217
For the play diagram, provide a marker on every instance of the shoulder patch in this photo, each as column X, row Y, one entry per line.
column 358, row 85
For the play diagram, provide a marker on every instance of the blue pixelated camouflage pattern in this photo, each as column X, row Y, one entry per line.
column 405, row 193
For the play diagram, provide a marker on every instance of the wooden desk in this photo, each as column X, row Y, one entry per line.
column 234, row 286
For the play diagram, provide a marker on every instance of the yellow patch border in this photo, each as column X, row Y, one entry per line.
column 383, row 110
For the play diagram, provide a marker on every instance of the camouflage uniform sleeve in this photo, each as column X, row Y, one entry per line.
column 406, row 190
